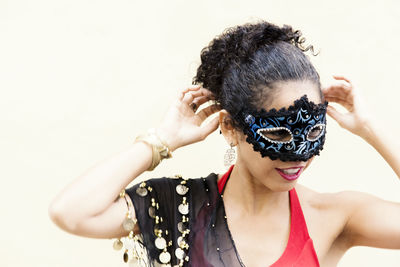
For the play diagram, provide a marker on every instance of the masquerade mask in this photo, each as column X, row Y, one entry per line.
column 293, row 134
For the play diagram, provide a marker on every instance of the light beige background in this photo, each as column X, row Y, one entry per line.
column 79, row 80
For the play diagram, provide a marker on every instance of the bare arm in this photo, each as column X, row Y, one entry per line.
column 385, row 144
column 371, row 221
column 374, row 221
column 90, row 205
column 91, row 202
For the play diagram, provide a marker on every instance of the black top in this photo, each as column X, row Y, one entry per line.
column 208, row 241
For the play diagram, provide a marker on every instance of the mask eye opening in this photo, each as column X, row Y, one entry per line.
column 319, row 125
column 275, row 129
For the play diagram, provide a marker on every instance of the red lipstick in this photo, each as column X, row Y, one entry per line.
column 290, row 174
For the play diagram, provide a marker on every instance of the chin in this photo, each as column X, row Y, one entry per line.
column 284, row 186
column 276, row 183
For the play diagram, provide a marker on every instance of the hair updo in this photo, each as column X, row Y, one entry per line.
column 241, row 65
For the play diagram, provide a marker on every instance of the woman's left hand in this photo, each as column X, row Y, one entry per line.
column 357, row 119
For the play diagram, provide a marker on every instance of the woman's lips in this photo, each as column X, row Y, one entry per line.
column 290, row 173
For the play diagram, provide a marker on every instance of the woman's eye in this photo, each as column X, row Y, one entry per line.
column 315, row 132
column 279, row 135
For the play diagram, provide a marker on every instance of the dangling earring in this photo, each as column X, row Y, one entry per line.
column 230, row 156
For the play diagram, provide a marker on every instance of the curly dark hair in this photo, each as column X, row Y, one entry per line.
column 241, row 65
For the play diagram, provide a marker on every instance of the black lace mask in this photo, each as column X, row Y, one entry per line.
column 293, row 134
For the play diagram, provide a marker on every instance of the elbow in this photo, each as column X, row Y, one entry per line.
column 55, row 213
column 61, row 217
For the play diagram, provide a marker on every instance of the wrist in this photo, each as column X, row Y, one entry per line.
column 370, row 132
column 169, row 140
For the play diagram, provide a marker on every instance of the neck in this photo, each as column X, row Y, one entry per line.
column 250, row 195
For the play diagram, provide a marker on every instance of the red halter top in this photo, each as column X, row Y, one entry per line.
column 299, row 251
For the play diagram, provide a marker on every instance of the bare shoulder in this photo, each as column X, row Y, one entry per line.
column 317, row 200
column 341, row 201
column 333, row 210
column 328, row 209
column 327, row 215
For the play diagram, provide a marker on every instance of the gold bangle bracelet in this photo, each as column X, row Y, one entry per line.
column 160, row 150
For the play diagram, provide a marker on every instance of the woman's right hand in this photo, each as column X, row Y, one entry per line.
column 181, row 124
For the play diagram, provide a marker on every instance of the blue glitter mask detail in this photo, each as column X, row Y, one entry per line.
column 293, row 134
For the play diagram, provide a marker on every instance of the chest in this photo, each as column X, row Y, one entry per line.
column 258, row 243
column 262, row 240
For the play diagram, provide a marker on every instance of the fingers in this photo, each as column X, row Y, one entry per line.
column 206, row 112
column 343, row 94
column 190, row 96
column 198, row 101
column 181, row 93
column 336, row 115
column 337, row 88
column 343, row 102
column 339, row 77
column 209, row 127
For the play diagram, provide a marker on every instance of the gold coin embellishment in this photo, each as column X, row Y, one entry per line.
column 152, row 212
column 181, row 189
column 118, row 244
column 160, row 243
column 128, row 224
column 165, row 257
column 181, row 242
column 179, row 253
column 183, row 208
column 156, row 230
column 181, row 227
column 141, row 191
column 126, row 257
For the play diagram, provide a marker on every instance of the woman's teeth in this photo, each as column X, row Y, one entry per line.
column 290, row 171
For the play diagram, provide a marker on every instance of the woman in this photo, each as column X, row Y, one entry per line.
column 272, row 108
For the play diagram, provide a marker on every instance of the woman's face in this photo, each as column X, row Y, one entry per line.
column 276, row 174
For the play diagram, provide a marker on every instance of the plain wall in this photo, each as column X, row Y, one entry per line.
column 80, row 79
